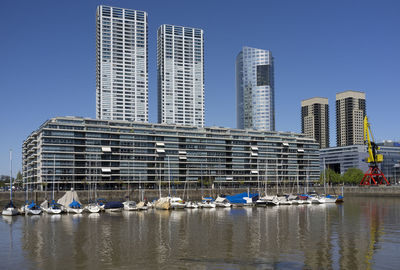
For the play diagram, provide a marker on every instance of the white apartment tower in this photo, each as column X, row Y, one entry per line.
column 315, row 120
column 121, row 64
column 255, row 105
column 180, row 68
column 350, row 113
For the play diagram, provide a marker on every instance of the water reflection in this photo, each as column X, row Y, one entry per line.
column 360, row 234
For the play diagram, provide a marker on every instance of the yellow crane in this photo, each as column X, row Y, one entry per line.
column 374, row 176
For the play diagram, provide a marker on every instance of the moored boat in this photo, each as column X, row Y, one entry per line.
column 113, row 206
column 222, row 202
column 10, row 210
column 177, row 203
column 163, row 203
column 130, row 206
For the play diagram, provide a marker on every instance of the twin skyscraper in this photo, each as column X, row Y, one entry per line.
column 122, row 73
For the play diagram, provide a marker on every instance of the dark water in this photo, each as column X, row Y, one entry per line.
column 362, row 233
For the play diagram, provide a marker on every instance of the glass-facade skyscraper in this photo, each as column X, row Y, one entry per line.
column 180, row 68
column 121, row 64
column 255, row 105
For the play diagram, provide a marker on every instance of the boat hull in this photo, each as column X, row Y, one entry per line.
column 53, row 211
column 10, row 211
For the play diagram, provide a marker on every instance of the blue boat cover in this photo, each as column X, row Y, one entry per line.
column 74, row 204
column 32, row 205
column 238, row 198
column 113, row 205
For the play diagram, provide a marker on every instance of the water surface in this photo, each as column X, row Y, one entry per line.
column 362, row 233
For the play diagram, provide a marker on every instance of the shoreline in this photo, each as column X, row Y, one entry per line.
column 197, row 194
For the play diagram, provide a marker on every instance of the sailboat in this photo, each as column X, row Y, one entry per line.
column 142, row 205
column 93, row 206
column 266, row 199
column 10, row 209
column 129, row 205
column 326, row 198
column 52, row 207
column 163, row 203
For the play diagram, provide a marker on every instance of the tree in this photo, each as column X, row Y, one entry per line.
column 331, row 177
column 353, row 176
column 19, row 176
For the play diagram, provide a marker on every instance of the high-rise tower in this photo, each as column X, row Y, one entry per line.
column 255, row 105
column 180, row 68
column 315, row 120
column 121, row 64
column 350, row 113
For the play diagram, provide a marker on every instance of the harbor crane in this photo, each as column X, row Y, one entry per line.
column 374, row 175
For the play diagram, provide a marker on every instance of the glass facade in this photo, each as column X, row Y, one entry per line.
column 255, row 105
column 121, row 64
column 180, row 67
column 77, row 150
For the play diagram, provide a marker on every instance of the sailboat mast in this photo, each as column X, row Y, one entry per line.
column 276, row 172
column 54, row 173
column 324, row 177
column 10, row 175
column 159, row 176
column 169, row 178
column 298, row 179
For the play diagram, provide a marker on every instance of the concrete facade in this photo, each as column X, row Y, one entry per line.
column 350, row 113
column 315, row 120
column 121, row 64
column 180, row 68
column 74, row 151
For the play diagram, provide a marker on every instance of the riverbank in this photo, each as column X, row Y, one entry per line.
column 197, row 194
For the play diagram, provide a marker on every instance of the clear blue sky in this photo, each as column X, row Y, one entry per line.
column 47, row 61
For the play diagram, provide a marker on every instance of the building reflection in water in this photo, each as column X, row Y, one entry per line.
column 333, row 236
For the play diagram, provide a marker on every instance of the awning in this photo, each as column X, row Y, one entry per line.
column 160, row 150
column 160, row 144
column 300, row 150
column 254, row 172
column 105, row 149
column 182, row 157
column 182, row 152
column 108, row 170
column 229, row 178
column 254, row 148
column 254, row 154
column 285, row 144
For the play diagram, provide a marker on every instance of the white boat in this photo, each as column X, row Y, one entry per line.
column 267, row 200
column 177, row 203
column 33, row 209
column 222, row 202
column 93, row 208
column 192, row 205
column 328, row 199
column 74, row 207
column 315, row 199
column 52, row 208
column 10, row 209
column 130, row 206
column 283, row 200
column 293, row 199
column 207, row 203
